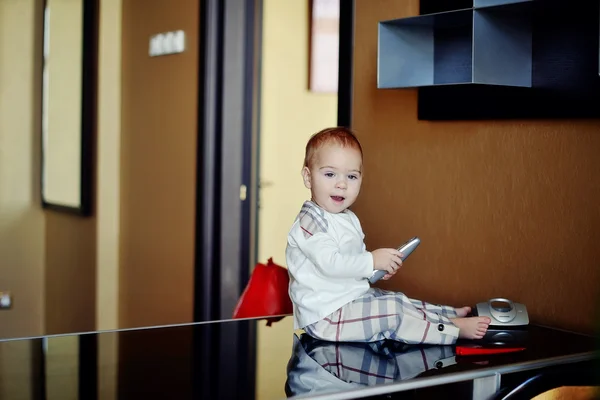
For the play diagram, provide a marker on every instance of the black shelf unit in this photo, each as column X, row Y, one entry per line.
column 495, row 59
column 490, row 46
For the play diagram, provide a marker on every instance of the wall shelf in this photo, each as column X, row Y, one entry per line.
column 489, row 46
column 493, row 59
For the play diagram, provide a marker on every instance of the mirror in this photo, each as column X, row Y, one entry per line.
column 68, row 107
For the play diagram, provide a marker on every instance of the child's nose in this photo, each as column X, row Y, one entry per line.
column 342, row 184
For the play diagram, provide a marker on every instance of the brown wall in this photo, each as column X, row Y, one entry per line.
column 70, row 273
column 158, row 164
column 503, row 208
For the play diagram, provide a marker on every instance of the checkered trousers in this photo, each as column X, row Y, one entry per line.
column 382, row 314
column 375, row 363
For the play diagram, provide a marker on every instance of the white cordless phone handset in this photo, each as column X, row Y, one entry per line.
column 405, row 249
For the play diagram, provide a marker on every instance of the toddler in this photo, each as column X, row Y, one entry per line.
column 329, row 265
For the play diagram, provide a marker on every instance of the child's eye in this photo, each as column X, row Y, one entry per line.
column 352, row 177
column 329, row 174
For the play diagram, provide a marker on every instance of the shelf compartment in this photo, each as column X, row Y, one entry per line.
column 490, row 46
column 502, row 46
column 565, row 71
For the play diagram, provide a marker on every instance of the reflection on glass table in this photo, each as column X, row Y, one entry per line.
column 321, row 369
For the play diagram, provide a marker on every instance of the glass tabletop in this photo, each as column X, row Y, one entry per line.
column 319, row 367
column 247, row 359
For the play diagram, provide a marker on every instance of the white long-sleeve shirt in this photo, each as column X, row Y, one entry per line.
column 327, row 262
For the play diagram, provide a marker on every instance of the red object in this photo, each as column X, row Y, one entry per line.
column 480, row 350
column 265, row 294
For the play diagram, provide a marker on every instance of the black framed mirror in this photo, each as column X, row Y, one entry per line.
column 68, row 104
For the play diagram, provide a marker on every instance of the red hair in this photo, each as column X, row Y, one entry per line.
column 341, row 136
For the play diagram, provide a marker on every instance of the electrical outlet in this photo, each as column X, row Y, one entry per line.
column 5, row 300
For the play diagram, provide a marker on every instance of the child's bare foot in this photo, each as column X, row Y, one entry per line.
column 471, row 327
column 463, row 311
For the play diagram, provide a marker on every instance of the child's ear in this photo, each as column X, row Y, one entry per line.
column 306, row 177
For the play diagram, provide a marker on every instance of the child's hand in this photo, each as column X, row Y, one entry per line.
column 387, row 260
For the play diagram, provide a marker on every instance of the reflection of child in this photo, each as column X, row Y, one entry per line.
column 344, row 366
column 329, row 265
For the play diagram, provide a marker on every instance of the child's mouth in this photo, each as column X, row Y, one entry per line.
column 337, row 199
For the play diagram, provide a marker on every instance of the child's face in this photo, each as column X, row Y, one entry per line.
column 334, row 178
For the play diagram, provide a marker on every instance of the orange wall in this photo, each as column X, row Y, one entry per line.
column 70, row 273
column 503, row 208
column 158, row 166
column 157, row 191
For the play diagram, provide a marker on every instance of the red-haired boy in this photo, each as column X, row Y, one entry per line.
column 329, row 264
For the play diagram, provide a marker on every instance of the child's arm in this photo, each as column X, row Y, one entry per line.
column 311, row 235
column 322, row 250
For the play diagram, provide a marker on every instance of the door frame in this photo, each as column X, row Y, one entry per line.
column 228, row 157
column 228, row 145
column 228, row 109
column 346, row 61
column 228, row 112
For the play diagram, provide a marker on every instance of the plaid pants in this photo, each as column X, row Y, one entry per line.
column 383, row 314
